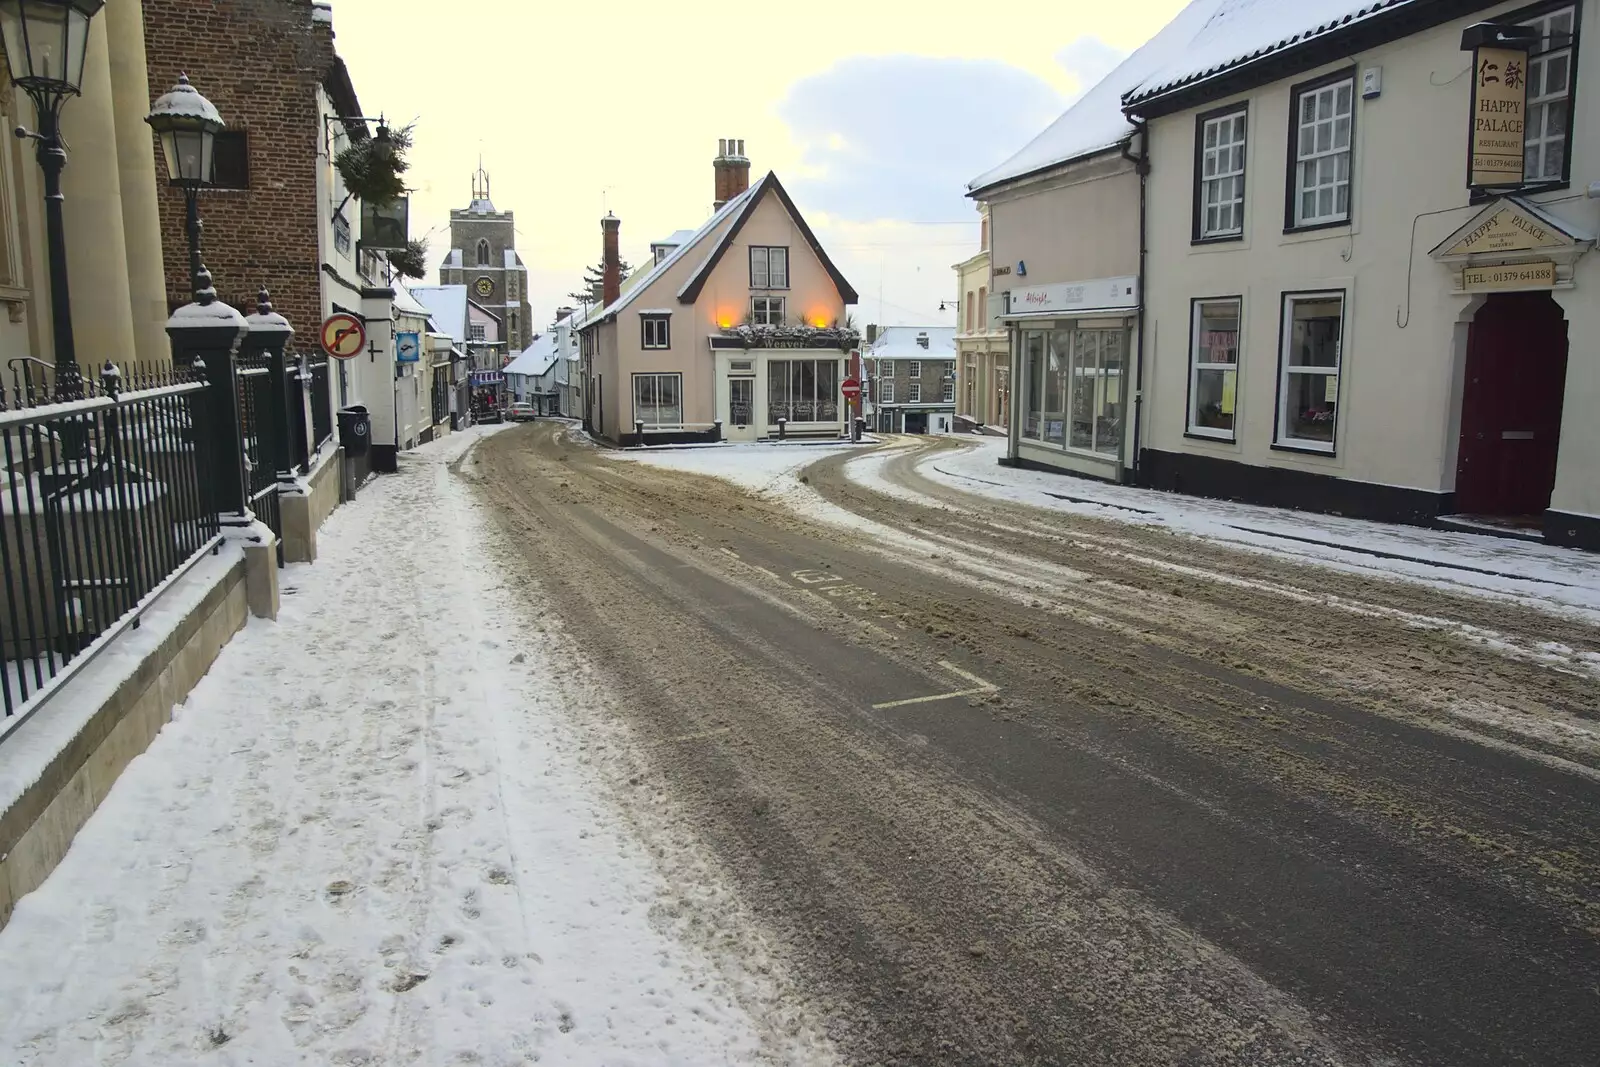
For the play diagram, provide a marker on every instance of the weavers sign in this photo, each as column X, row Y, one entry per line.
column 1499, row 103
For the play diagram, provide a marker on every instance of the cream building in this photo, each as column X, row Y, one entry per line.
column 1335, row 320
column 113, row 234
column 983, row 350
column 1065, row 216
column 738, row 330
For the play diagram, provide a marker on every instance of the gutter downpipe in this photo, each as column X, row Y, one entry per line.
column 1141, row 164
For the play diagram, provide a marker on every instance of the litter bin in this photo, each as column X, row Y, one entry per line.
column 355, row 430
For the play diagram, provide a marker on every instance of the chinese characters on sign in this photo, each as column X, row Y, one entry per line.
column 1499, row 106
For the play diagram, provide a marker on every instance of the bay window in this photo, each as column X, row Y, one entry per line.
column 1213, row 367
column 658, row 400
column 1308, row 370
column 1322, row 139
column 803, row 390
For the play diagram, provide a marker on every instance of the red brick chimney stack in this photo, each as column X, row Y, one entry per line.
column 732, row 171
column 611, row 260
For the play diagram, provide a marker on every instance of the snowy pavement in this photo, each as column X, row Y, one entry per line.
column 380, row 832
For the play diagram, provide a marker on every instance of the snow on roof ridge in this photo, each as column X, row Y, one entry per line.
column 1244, row 30
column 1095, row 122
column 658, row 269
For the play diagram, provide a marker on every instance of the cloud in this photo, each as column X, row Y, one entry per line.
column 898, row 137
column 1089, row 59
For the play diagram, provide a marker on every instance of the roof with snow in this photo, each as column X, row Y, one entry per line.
column 1242, row 31
column 648, row 273
column 447, row 306
column 678, row 237
column 536, row 359
column 1096, row 123
column 404, row 301
column 900, row 342
column 512, row 259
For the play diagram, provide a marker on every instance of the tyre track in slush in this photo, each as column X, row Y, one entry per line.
column 921, row 861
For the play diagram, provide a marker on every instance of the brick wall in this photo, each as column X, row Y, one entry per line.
column 260, row 62
column 932, row 378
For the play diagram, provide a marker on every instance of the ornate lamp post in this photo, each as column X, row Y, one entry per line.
column 187, row 125
column 46, row 41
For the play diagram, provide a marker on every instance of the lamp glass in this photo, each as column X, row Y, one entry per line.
column 189, row 154
column 47, row 41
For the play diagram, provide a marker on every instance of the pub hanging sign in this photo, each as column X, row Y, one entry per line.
column 1499, row 103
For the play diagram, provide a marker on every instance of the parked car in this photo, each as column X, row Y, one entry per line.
column 521, row 411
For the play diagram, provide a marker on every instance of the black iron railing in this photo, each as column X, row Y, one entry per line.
column 257, row 432
column 103, row 498
column 321, row 404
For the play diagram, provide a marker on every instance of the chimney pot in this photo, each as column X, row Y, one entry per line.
column 740, row 152
column 722, row 147
column 731, row 171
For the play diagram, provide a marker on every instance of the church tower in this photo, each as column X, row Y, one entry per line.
column 483, row 257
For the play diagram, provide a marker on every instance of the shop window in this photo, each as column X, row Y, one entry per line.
column 769, row 267
column 1309, row 370
column 1075, row 387
column 1550, row 77
column 803, row 390
column 766, row 310
column 656, row 331
column 1219, row 175
column 1323, row 130
column 658, row 400
column 1214, row 367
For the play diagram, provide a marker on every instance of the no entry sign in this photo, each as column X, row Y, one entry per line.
column 850, row 388
column 343, row 336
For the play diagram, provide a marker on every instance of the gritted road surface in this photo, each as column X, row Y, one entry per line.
column 1016, row 787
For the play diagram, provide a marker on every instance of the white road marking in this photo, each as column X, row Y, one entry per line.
column 731, row 552
column 983, row 687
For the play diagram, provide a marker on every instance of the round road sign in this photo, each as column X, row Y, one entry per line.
column 343, row 336
column 850, row 388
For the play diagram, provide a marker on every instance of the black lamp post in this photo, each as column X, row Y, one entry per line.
column 187, row 125
column 46, row 41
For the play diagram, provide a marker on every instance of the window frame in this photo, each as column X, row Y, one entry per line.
column 914, row 368
column 634, row 398
column 885, row 391
column 1191, row 429
column 1281, row 441
column 665, row 324
column 782, row 310
column 1292, row 154
column 240, row 136
column 1522, row 17
column 1197, row 233
column 950, row 391
column 914, row 392
column 482, row 252
column 766, row 256
column 477, row 331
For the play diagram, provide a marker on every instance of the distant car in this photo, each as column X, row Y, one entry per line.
column 521, row 412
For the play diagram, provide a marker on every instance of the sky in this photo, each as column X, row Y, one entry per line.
column 874, row 115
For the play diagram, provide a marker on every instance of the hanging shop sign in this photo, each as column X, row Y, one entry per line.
column 408, row 347
column 386, row 228
column 1499, row 103
column 1540, row 275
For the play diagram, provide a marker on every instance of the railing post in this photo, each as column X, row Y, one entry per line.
column 298, row 389
column 270, row 334
column 209, row 332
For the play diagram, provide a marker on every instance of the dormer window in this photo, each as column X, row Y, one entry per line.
column 769, row 267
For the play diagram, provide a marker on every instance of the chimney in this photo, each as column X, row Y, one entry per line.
column 732, row 171
column 611, row 261
column 922, row 338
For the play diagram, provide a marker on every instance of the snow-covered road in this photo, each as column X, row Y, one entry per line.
column 380, row 832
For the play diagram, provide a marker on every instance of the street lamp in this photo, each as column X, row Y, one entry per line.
column 187, row 125
column 46, row 41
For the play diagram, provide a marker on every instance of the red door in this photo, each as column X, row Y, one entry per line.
column 1511, row 406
